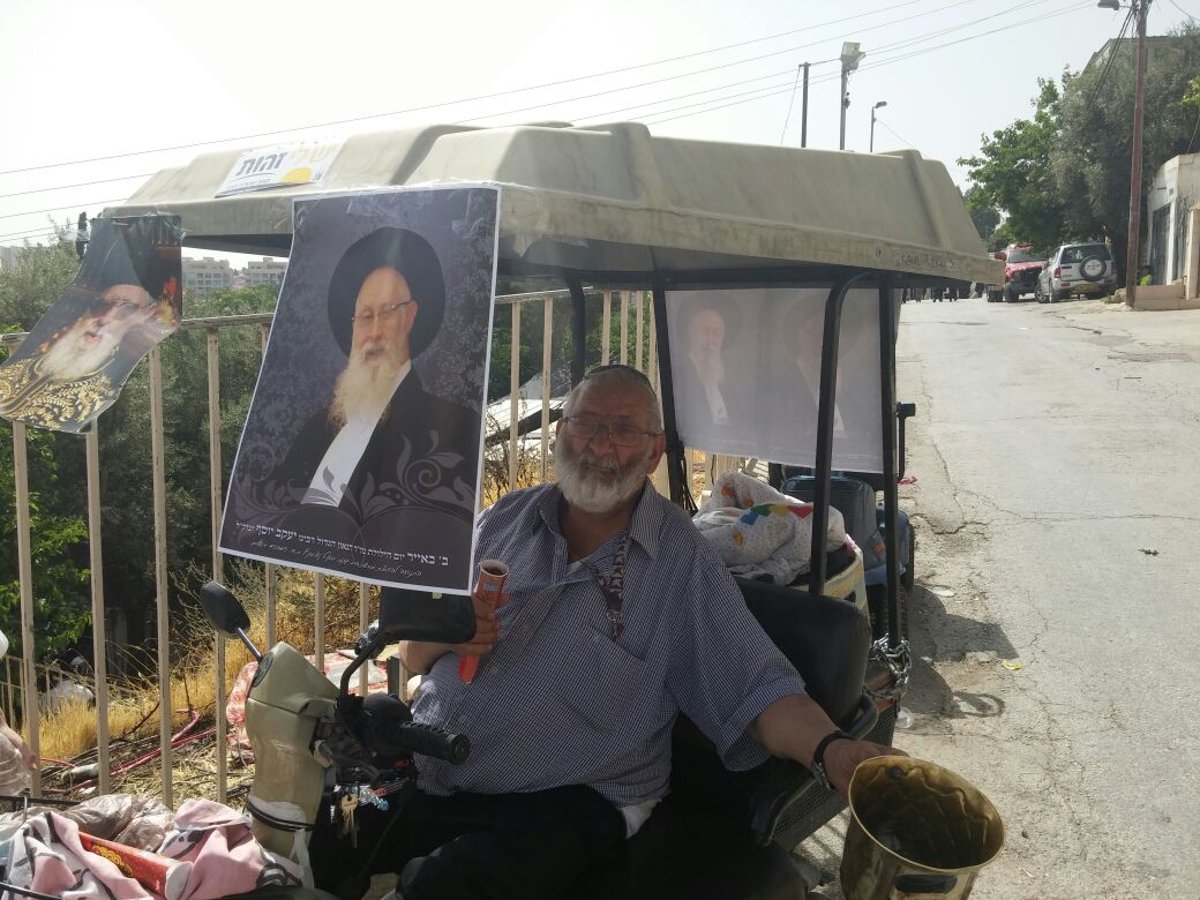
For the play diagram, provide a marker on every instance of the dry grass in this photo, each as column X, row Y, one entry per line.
column 68, row 735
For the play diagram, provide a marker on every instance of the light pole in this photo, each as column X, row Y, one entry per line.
column 851, row 57
column 1132, row 248
column 878, row 105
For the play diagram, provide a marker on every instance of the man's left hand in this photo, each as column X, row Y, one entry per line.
column 843, row 757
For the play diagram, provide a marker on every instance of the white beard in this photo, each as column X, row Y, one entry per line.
column 709, row 366
column 362, row 387
column 591, row 491
column 67, row 360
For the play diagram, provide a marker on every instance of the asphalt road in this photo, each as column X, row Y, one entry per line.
column 1055, row 619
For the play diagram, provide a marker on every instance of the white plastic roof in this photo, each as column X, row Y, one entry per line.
column 614, row 198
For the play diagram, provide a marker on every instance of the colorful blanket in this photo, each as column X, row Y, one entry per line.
column 760, row 532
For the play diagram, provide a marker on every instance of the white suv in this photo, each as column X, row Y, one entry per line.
column 1077, row 269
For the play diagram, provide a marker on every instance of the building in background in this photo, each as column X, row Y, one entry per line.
column 203, row 277
column 265, row 271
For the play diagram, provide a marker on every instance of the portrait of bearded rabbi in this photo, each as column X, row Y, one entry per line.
column 397, row 464
column 78, row 356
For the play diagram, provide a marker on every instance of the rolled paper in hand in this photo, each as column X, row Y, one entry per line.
column 161, row 875
column 488, row 588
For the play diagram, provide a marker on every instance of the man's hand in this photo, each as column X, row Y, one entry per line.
column 843, row 757
column 419, row 656
column 487, row 628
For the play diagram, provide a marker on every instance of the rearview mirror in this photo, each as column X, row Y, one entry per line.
column 223, row 609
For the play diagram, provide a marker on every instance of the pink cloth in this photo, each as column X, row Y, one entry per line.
column 48, row 857
column 225, row 857
column 209, row 848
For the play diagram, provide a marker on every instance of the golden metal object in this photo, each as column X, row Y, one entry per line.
column 917, row 830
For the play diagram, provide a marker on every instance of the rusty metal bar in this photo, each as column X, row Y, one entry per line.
column 514, row 387
column 606, row 329
column 218, row 566
column 624, row 328
column 99, row 631
column 547, row 361
column 638, row 327
column 364, row 607
column 319, row 620
column 25, row 573
column 159, row 476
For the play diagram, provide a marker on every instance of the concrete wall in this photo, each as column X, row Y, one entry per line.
column 1176, row 187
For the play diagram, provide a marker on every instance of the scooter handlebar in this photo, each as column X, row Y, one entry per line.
column 429, row 740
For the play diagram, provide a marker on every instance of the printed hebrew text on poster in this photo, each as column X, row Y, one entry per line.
column 124, row 300
column 284, row 165
column 362, row 449
column 746, row 370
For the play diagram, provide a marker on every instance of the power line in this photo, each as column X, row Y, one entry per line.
column 885, row 48
column 509, row 92
column 63, row 187
column 899, row 137
column 748, row 96
column 886, row 62
column 1182, row 10
column 1111, row 56
column 34, row 212
column 791, row 103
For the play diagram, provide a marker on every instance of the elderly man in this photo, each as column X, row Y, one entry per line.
column 382, row 433
column 77, row 372
column 619, row 617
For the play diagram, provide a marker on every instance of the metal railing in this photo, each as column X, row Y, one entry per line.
column 627, row 321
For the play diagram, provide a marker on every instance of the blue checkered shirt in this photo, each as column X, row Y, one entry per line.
column 558, row 701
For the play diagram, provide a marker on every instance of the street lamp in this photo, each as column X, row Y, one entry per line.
column 851, row 57
column 878, row 105
column 1132, row 247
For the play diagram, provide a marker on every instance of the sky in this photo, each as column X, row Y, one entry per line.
column 95, row 96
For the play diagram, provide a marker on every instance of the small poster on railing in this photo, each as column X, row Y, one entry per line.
column 362, row 449
column 726, row 344
column 124, row 300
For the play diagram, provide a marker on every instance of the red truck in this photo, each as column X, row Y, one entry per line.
column 1021, row 270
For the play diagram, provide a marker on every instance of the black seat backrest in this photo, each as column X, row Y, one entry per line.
column 827, row 639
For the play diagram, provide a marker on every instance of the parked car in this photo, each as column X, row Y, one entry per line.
column 1077, row 269
column 1021, row 271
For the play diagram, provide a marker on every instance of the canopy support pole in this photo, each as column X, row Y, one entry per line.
column 825, row 420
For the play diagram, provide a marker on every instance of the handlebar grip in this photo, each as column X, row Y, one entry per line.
column 430, row 740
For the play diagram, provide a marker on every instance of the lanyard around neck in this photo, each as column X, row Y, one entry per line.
column 612, row 586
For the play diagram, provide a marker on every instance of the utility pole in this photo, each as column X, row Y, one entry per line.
column 804, row 110
column 1133, row 256
column 851, row 57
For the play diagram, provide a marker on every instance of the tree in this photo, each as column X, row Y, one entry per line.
column 985, row 216
column 1091, row 162
column 58, row 532
column 30, row 287
column 125, row 450
column 1013, row 173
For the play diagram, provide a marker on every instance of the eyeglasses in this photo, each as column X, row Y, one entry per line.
column 367, row 319
column 586, row 429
